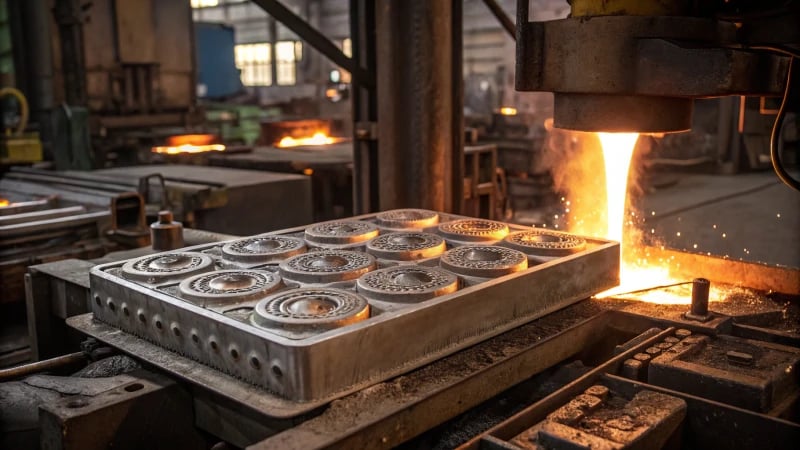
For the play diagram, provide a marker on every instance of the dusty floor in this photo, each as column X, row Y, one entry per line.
column 749, row 216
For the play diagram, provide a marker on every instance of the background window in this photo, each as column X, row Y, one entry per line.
column 204, row 3
column 286, row 57
column 347, row 47
column 255, row 62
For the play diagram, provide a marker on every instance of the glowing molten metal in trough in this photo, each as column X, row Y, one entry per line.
column 637, row 273
column 189, row 143
column 318, row 138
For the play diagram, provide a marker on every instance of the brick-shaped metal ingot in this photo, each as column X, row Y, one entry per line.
column 647, row 421
column 750, row 374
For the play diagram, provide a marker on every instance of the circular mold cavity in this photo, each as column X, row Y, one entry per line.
column 311, row 308
column 407, row 219
column 225, row 287
column 165, row 266
column 327, row 266
column 484, row 261
column 263, row 249
column 342, row 232
column 473, row 230
column 544, row 243
column 406, row 246
column 407, row 284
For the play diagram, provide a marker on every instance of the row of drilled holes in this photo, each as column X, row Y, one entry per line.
column 255, row 363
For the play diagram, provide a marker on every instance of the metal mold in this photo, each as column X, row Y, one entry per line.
column 405, row 219
column 749, row 374
column 327, row 266
column 474, row 230
column 309, row 364
column 544, row 243
column 406, row 246
column 263, row 249
column 227, row 287
column 310, row 309
column 341, row 233
column 166, row 266
column 484, row 261
column 599, row 418
column 407, row 284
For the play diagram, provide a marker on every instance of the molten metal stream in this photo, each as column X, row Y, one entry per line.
column 635, row 274
column 617, row 153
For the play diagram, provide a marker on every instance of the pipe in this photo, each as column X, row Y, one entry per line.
column 41, row 366
column 23, row 108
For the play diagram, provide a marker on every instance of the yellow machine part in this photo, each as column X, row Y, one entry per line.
column 19, row 147
column 584, row 8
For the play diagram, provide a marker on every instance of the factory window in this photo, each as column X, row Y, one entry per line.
column 255, row 62
column 342, row 75
column 286, row 55
column 347, row 47
column 204, row 3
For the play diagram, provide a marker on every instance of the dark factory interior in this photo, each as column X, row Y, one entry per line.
column 413, row 224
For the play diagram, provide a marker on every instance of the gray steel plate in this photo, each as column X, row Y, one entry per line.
column 329, row 363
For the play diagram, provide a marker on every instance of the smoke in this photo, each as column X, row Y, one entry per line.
column 575, row 161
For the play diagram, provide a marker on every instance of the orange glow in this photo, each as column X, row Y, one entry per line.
column 189, row 143
column 4, row 203
column 318, row 138
column 636, row 271
column 617, row 152
column 508, row 111
column 188, row 148
column 191, row 139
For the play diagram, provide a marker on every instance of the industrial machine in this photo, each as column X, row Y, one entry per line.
column 413, row 326
column 621, row 66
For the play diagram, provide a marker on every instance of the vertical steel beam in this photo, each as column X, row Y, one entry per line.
column 364, row 109
column 417, row 114
column 457, row 92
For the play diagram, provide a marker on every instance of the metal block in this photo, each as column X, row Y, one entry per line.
column 611, row 421
column 148, row 411
column 303, row 353
column 750, row 374
column 53, row 291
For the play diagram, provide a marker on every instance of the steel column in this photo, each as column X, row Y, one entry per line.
column 364, row 110
column 416, row 109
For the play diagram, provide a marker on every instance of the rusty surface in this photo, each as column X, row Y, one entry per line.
column 750, row 374
column 759, row 276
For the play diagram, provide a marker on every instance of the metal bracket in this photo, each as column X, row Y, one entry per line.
column 366, row 131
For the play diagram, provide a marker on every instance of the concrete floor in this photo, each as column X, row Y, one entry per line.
column 752, row 217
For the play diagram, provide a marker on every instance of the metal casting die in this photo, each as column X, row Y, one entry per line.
column 333, row 363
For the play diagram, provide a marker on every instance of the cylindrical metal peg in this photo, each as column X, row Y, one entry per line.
column 166, row 234
column 700, row 290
